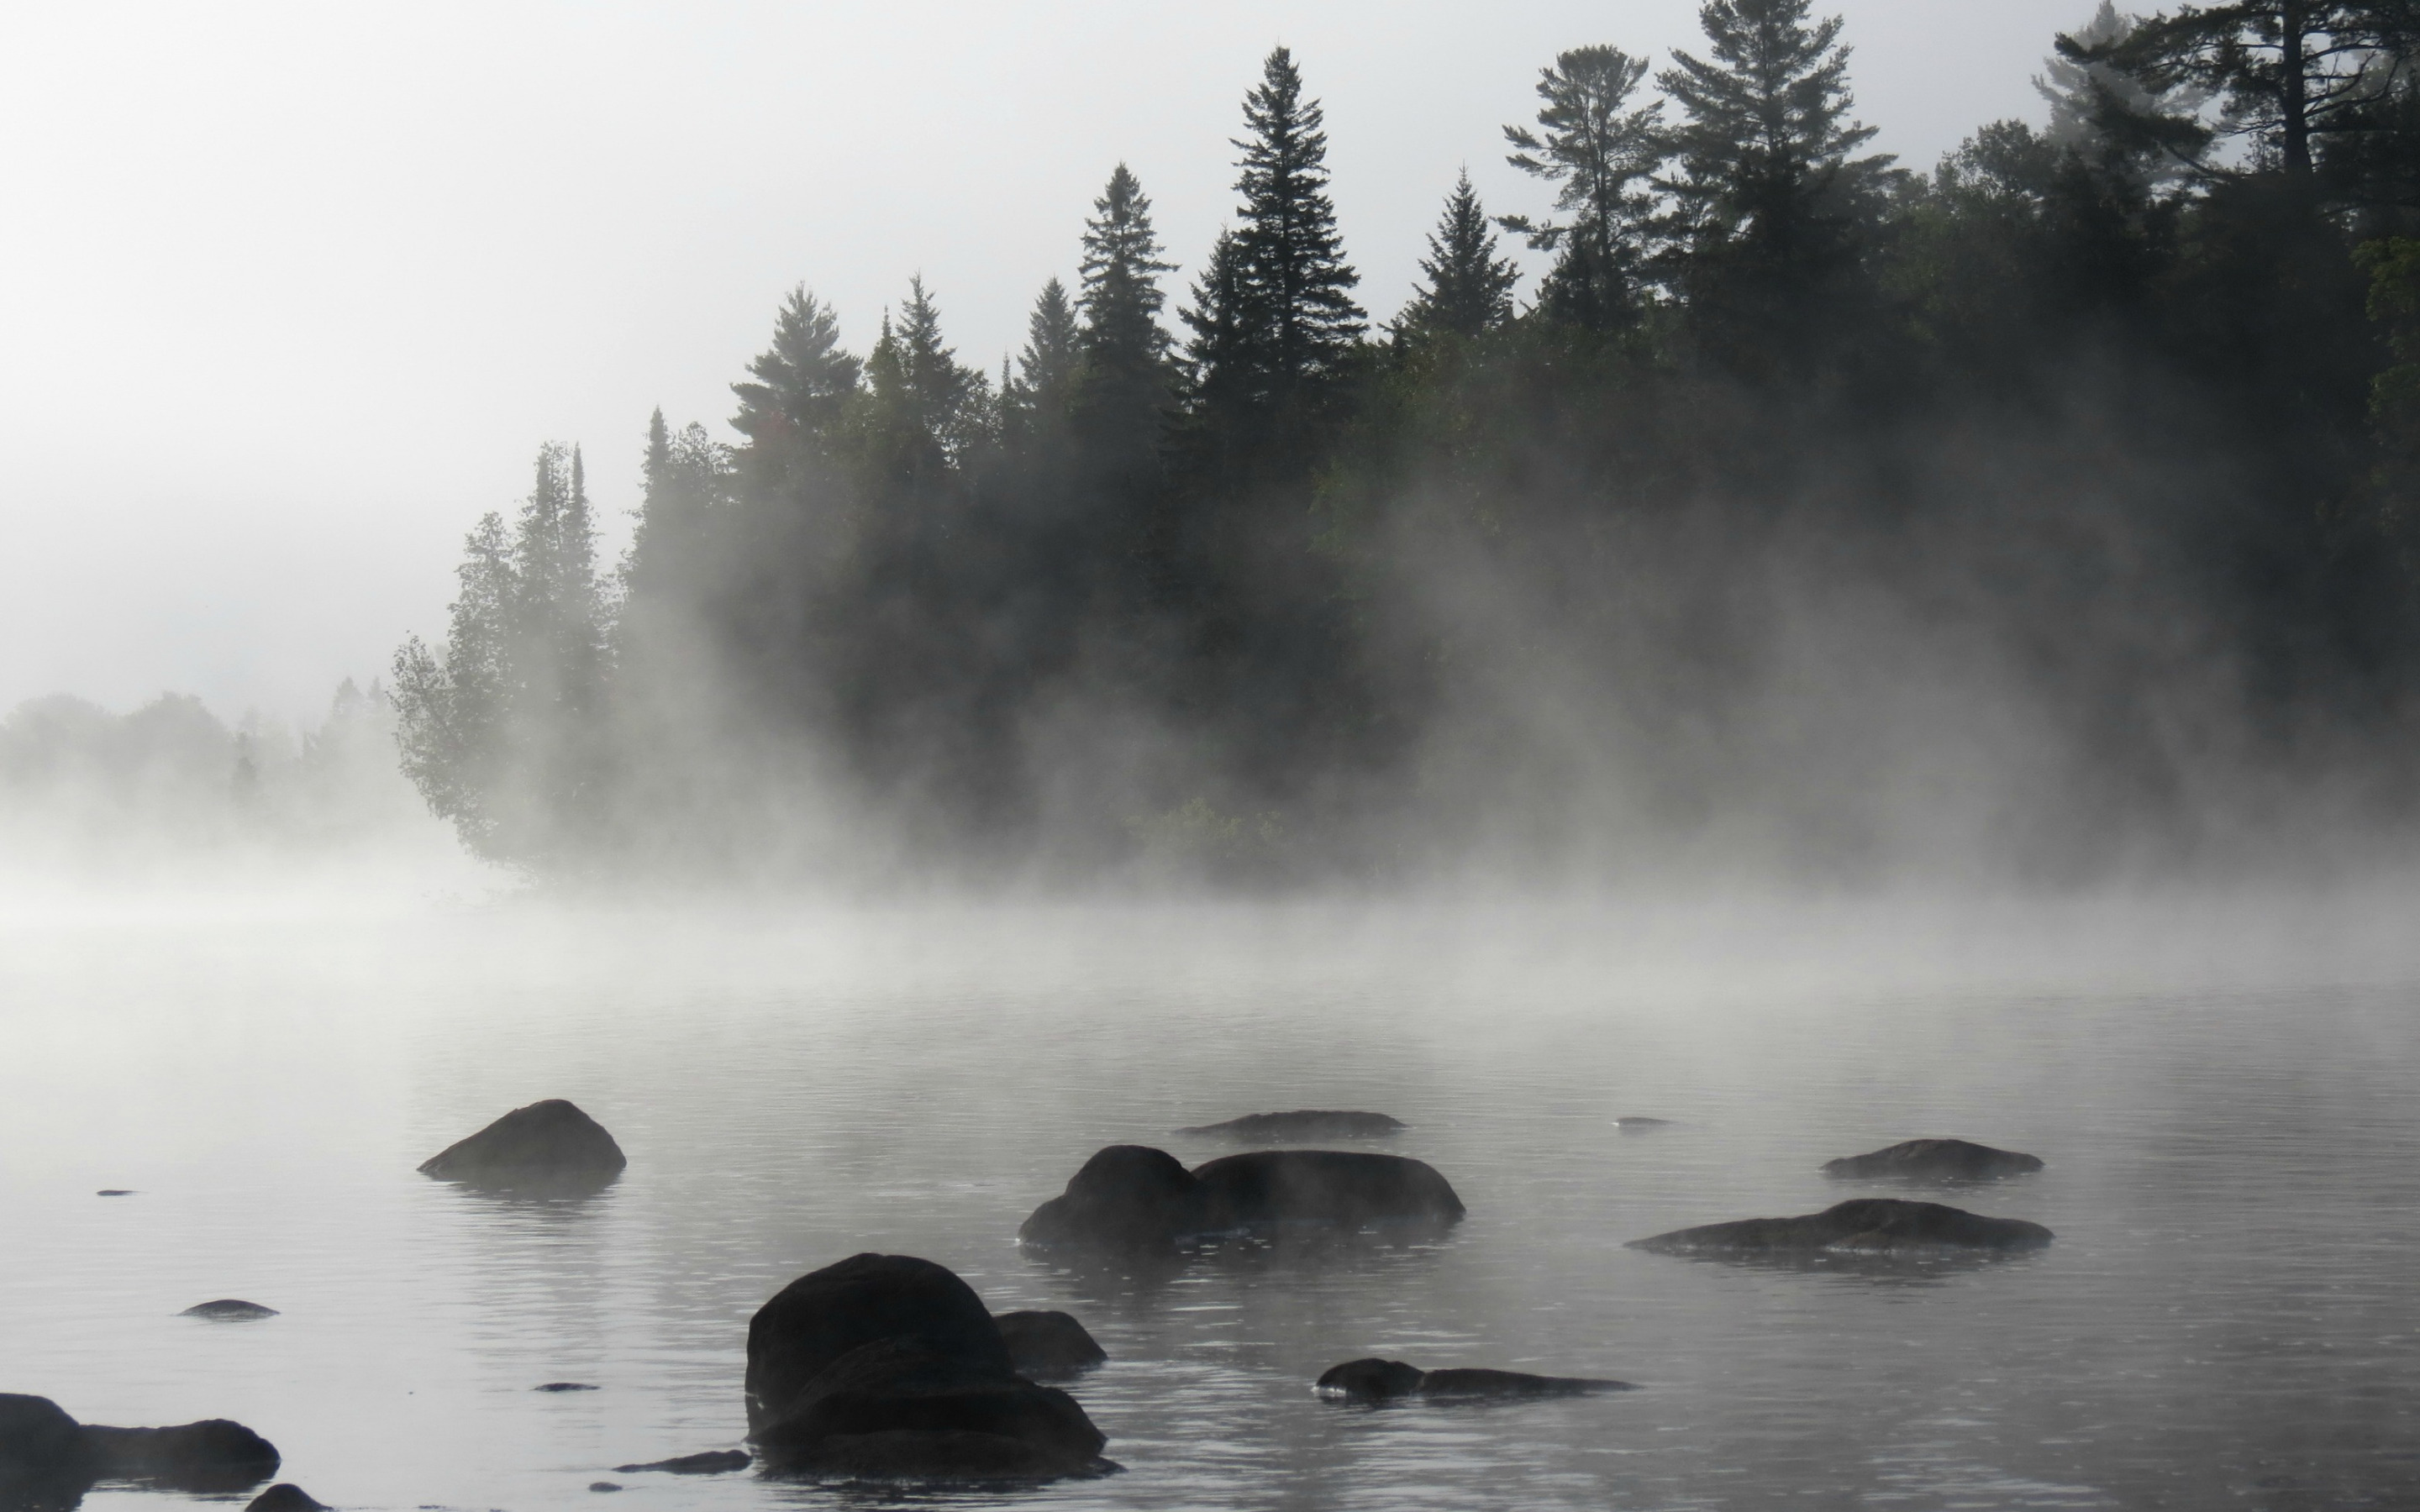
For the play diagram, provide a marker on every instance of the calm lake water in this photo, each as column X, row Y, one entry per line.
column 2230, row 1316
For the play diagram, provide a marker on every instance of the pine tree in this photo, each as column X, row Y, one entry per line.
column 1124, row 385
column 1768, row 188
column 453, row 705
column 928, row 410
column 1466, row 288
column 804, row 383
column 1600, row 153
column 2087, row 100
column 1048, row 366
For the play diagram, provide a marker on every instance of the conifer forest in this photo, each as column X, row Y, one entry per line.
column 2046, row 511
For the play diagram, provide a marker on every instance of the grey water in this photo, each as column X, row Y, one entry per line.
column 2229, row 1316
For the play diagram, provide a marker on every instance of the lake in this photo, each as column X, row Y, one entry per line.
column 2227, row 1095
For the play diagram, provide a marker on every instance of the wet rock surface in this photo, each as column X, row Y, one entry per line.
column 46, row 1456
column 1868, row 1225
column 1378, row 1380
column 285, row 1497
column 228, row 1310
column 890, row 1366
column 1304, row 1124
column 553, row 1141
column 1133, row 1196
column 1935, row 1160
column 1641, row 1125
column 712, row 1462
column 567, row 1385
column 1046, row 1346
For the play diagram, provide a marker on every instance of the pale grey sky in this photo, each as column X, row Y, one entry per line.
column 293, row 290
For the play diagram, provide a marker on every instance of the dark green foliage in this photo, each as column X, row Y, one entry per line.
column 1466, row 289
column 1601, row 154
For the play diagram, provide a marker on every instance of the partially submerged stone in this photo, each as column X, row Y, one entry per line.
column 1047, row 1346
column 890, row 1366
column 548, row 1141
column 1866, row 1226
column 565, row 1386
column 228, row 1310
column 44, row 1453
column 285, row 1497
column 1303, row 1123
column 1378, row 1380
column 1135, row 1197
column 712, row 1462
column 1935, row 1160
column 1641, row 1125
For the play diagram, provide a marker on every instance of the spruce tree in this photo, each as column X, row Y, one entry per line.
column 802, row 384
column 1048, row 366
column 1123, row 384
column 1468, row 289
column 1601, row 153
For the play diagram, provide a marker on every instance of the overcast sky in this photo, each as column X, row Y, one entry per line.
column 292, row 291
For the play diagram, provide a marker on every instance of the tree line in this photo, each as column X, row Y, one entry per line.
column 2117, row 415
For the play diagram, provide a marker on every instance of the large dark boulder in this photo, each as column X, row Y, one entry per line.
column 1129, row 1196
column 548, row 1141
column 1048, row 1346
column 228, row 1310
column 1378, row 1380
column 1935, row 1160
column 1868, row 1225
column 885, row 1366
column 46, row 1456
column 286, row 1497
column 1303, row 1123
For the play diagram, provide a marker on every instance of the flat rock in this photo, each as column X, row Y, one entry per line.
column 565, row 1386
column 890, row 1366
column 552, row 1140
column 1046, row 1346
column 1304, row 1124
column 228, row 1310
column 1133, row 1196
column 1935, row 1160
column 115, row 1191
column 1869, row 1226
column 1378, row 1380
column 1639, row 1125
column 285, row 1497
column 712, row 1462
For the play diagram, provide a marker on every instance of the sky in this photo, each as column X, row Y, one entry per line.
column 291, row 292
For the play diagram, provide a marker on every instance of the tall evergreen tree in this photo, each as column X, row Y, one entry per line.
column 1286, row 296
column 1466, row 288
column 1768, row 187
column 928, row 410
column 1124, row 385
column 802, row 384
column 1053, row 354
column 1601, row 153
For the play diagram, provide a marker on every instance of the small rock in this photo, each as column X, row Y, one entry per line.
column 1044, row 1345
column 228, row 1310
column 115, row 1191
column 1936, row 1160
column 603, row 1485
column 1378, row 1380
column 712, row 1462
column 564, row 1385
column 551, row 1139
column 1636, row 1125
column 1866, row 1225
column 285, row 1497
column 1304, row 1124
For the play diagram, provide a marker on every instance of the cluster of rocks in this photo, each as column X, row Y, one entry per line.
column 1133, row 1196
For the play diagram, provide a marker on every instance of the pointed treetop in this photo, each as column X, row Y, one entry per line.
column 1468, row 287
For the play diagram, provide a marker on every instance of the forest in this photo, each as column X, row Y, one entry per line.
column 2045, row 516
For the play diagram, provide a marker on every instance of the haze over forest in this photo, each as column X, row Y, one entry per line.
column 2041, row 514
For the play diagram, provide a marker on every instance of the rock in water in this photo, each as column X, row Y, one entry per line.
column 285, row 1497
column 1131, row 1196
column 1306, row 1123
column 46, row 1454
column 889, row 1365
column 712, row 1462
column 1868, row 1225
column 115, row 1191
column 1639, row 1125
column 41, row 1453
column 228, row 1310
column 1046, row 1346
column 1378, row 1380
column 564, row 1385
column 1936, row 1160
column 545, row 1140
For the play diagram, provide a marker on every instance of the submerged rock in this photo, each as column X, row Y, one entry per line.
column 1044, row 1346
column 1936, row 1160
column 1133, row 1196
column 565, row 1386
column 1870, row 1226
column 712, row 1462
column 1305, row 1123
column 1639, row 1125
column 603, row 1485
column 285, row 1497
column 115, row 1191
column 45, row 1454
column 228, row 1310
column 887, row 1366
column 1378, row 1380
column 545, row 1141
